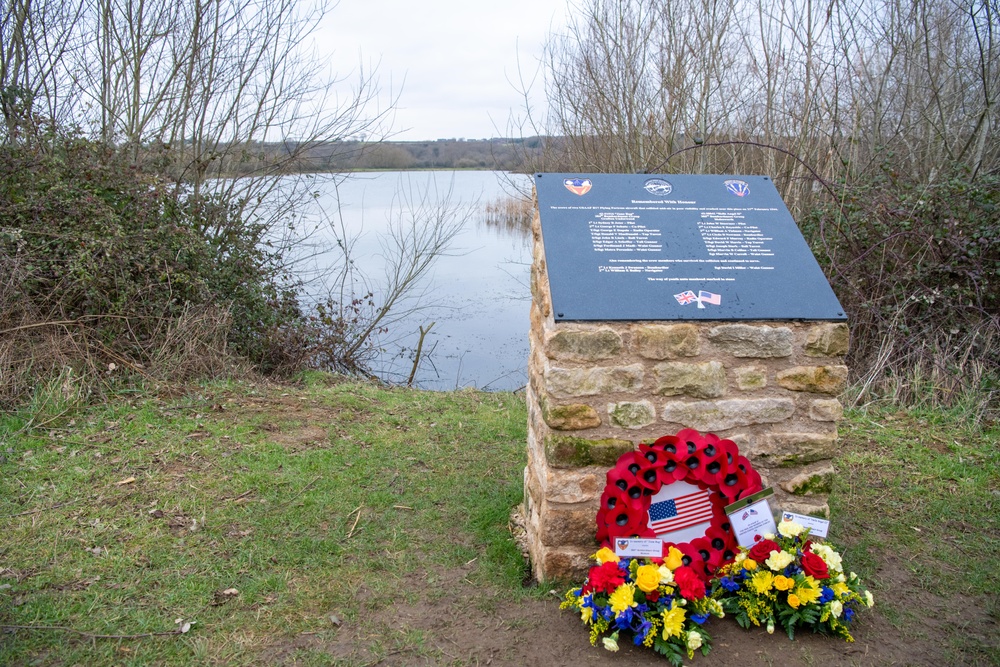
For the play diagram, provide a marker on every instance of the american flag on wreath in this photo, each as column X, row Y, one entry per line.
column 684, row 298
column 690, row 509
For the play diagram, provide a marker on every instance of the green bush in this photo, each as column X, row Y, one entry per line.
column 918, row 269
column 117, row 254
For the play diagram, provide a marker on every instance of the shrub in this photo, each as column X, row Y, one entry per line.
column 110, row 257
column 918, row 269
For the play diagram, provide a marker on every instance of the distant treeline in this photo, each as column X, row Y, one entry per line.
column 498, row 153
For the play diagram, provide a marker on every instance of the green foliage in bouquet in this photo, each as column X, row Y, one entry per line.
column 792, row 581
column 661, row 603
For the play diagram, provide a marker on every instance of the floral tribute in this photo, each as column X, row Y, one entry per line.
column 705, row 462
column 661, row 603
column 792, row 581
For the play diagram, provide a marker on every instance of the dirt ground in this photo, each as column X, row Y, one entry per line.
column 467, row 627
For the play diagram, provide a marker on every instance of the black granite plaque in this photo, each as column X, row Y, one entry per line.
column 677, row 247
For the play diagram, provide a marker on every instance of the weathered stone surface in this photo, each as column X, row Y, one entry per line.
column 593, row 381
column 826, row 410
column 656, row 341
column 567, row 451
column 750, row 378
column 572, row 417
column 572, row 485
column 817, row 507
column 817, row 379
column 705, row 380
column 566, row 565
column 811, row 482
column 744, row 340
column 632, row 415
column 790, row 449
column 722, row 415
column 573, row 525
column 828, row 340
column 584, row 345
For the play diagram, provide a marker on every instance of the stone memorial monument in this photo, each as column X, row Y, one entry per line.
column 669, row 302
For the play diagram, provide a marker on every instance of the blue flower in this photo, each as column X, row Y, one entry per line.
column 641, row 628
column 848, row 614
column 699, row 618
column 792, row 570
column 623, row 621
column 729, row 584
column 826, row 595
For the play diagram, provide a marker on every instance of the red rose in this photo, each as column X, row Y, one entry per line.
column 689, row 583
column 762, row 550
column 814, row 566
column 605, row 578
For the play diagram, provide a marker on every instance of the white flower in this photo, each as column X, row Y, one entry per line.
column 829, row 556
column 779, row 560
column 693, row 640
column 836, row 608
column 770, row 627
column 790, row 528
column 666, row 576
column 869, row 600
column 611, row 643
column 769, row 536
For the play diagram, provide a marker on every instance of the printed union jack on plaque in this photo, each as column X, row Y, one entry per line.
column 676, row 490
column 684, row 298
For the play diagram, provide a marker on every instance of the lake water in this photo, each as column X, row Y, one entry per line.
column 477, row 295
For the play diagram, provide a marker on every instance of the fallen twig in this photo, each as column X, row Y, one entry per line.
column 89, row 635
column 355, row 524
column 40, row 509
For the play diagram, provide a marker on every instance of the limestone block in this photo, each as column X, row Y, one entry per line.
column 828, row 340
column 704, row 380
column 632, row 415
column 721, row 415
column 574, row 525
column 593, row 381
column 790, row 449
column 572, row 417
column 810, row 507
column 744, row 340
column 826, row 410
column 817, row 379
column 567, row 565
column 750, row 378
column 585, row 345
column 816, row 480
column 567, row 451
column 655, row 341
column 572, row 485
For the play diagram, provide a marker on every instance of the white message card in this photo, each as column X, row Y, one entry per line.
column 638, row 547
column 817, row 527
column 751, row 516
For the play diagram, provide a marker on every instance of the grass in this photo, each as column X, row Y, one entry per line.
column 293, row 525
column 308, row 503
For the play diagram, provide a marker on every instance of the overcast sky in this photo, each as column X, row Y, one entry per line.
column 454, row 62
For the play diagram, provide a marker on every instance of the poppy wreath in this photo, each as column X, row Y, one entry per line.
column 705, row 461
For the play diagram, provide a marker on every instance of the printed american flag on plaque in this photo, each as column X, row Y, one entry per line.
column 690, row 509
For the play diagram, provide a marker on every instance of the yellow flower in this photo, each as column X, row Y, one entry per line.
column 623, row 598
column 762, row 581
column 673, row 622
column 606, row 555
column 840, row 589
column 806, row 593
column 793, row 601
column 750, row 564
column 647, row 578
column 783, row 583
column 674, row 558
